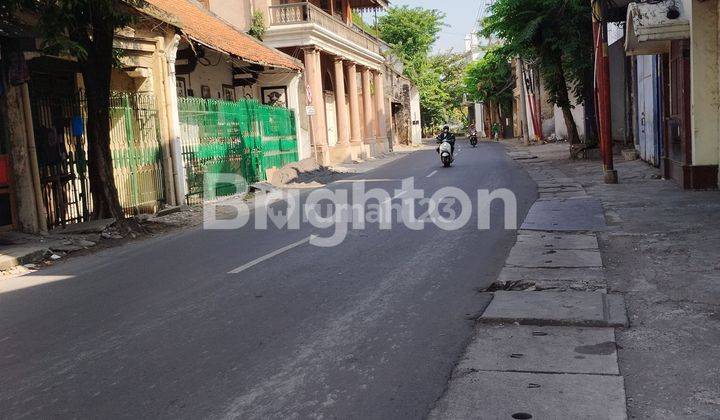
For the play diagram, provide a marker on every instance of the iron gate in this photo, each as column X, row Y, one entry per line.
column 62, row 157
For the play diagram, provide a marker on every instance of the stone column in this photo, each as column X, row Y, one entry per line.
column 313, row 77
column 173, row 116
column 381, row 119
column 343, row 116
column 368, row 107
column 355, row 123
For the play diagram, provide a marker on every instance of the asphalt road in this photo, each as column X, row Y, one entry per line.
column 368, row 329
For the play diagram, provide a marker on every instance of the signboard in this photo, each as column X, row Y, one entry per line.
column 310, row 110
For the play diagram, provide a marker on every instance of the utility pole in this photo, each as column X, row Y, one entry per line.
column 602, row 89
column 520, row 77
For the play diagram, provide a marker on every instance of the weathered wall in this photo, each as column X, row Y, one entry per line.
column 236, row 12
column 704, row 82
column 415, row 115
column 214, row 75
column 618, row 88
column 578, row 115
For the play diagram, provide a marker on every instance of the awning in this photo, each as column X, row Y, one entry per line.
column 204, row 27
column 649, row 29
column 369, row 4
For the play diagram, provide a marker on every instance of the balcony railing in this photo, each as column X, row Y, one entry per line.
column 298, row 13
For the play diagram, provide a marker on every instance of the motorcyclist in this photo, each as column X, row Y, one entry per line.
column 446, row 135
column 472, row 131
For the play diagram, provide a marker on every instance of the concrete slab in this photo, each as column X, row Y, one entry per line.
column 508, row 395
column 556, row 279
column 557, row 190
column 519, row 348
column 531, row 256
column 558, row 195
column 12, row 256
column 563, row 183
column 569, row 215
column 93, row 226
column 558, row 240
column 584, row 309
column 593, row 275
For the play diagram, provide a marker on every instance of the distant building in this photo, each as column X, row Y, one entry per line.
column 476, row 46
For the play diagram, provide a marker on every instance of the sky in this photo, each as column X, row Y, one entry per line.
column 460, row 18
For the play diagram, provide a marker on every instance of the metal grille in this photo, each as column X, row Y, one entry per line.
column 223, row 137
column 62, row 157
column 136, row 151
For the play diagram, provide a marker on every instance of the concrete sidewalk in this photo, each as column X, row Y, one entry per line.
column 545, row 346
column 661, row 251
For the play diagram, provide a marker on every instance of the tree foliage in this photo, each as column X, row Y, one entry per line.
column 439, row 79
column 85, row 30
column 557, row 35
column 257, row 25
column 490, row 79
column 411, row 33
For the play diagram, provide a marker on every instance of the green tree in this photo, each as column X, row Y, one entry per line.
column 257, row 25
column 555, row 33
column 411, row 33
column 439, row 79
column 490, row 80
column 85, row 29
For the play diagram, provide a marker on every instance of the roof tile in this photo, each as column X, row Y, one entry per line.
column 204, row 27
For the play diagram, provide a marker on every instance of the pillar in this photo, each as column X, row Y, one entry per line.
column 160, row 84
column 368, row 107
column 313, row 77
column 381, row 118
column 173, row 117
column 343, row 115
column 355, row 127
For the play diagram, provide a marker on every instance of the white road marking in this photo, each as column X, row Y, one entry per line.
column 355, row 181
column 431, row 174
column 398, row 195
column 273, row 254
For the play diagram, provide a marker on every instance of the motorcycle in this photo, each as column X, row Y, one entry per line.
column 446, row 152
column 473, row 138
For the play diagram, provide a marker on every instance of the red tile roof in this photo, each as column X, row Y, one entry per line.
column 202, row 26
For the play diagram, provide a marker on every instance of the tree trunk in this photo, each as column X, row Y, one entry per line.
column 25, row 210
column 564, row 103
column 97, row 71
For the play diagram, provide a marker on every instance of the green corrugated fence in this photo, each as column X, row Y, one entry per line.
column 222, row 137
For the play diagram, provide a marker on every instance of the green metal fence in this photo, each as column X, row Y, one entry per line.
column 223, row 137
column 136, row 151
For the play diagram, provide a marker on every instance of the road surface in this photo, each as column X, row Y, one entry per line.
column 261, row 324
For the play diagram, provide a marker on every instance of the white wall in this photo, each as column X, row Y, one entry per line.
column 235, row 12
column 704, row 82
column 579, row 117
column 416, row 130
column 213, row 76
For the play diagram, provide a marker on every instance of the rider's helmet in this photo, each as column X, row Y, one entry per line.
column 446, row 128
